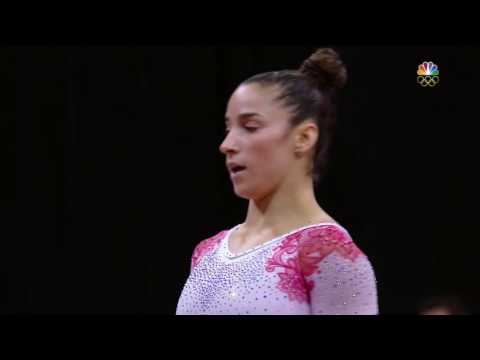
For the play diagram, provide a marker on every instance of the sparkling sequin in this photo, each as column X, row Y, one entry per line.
column 250, row 283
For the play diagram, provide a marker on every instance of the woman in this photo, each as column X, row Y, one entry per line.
column 289, row 256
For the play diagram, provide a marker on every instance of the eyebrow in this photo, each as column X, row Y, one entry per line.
column 243, row 115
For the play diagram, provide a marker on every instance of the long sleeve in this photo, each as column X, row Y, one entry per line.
column 343, row 287
column 339, row 277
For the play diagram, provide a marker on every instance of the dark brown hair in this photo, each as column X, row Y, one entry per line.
column 311, row 93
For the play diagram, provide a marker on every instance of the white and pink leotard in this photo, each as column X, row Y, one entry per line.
column 314, row 270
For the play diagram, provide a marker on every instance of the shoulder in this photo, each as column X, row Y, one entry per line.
column 338, row 274
column 213, row 240
column 206, row 246
column 319, row 242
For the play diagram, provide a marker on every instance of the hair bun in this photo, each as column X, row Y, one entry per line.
column 326, row 68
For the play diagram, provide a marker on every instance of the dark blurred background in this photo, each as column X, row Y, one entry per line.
column 118, row 173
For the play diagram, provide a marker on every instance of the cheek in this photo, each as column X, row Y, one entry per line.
column 270, row 156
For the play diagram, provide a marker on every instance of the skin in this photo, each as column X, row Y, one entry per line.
column 277, row 157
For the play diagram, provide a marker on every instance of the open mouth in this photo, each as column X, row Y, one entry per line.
column 237, row 169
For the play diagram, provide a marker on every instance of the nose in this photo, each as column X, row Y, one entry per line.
column 229, row 144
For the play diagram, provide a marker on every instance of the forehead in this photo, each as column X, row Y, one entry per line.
column 253, row 98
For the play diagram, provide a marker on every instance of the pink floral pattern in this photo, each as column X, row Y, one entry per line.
column 321, row 242
column 312, row 245
column 291, row 280
column 206, row 246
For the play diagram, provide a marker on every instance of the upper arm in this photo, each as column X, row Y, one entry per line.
column 341, row 286
column 338, row 276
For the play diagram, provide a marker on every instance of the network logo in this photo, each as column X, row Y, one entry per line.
column 427, row 74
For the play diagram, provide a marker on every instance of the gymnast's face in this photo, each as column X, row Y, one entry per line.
column 259, row 144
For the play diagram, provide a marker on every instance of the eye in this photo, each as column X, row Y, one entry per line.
column 251, row 128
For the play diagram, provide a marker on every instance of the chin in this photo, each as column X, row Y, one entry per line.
column 243, row 194
column 249, row 193
column 243, row 191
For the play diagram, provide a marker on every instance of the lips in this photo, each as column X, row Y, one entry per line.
column 235, row 168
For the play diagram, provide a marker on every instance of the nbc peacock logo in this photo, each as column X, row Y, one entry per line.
column 428, row 74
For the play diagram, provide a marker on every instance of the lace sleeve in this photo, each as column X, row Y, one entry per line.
column 339, row 277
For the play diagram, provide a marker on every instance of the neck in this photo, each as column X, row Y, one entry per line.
column 287, row 208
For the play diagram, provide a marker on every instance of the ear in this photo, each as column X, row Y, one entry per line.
column 306, row 136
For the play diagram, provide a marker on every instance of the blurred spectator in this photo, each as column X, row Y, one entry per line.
column 443, row 305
